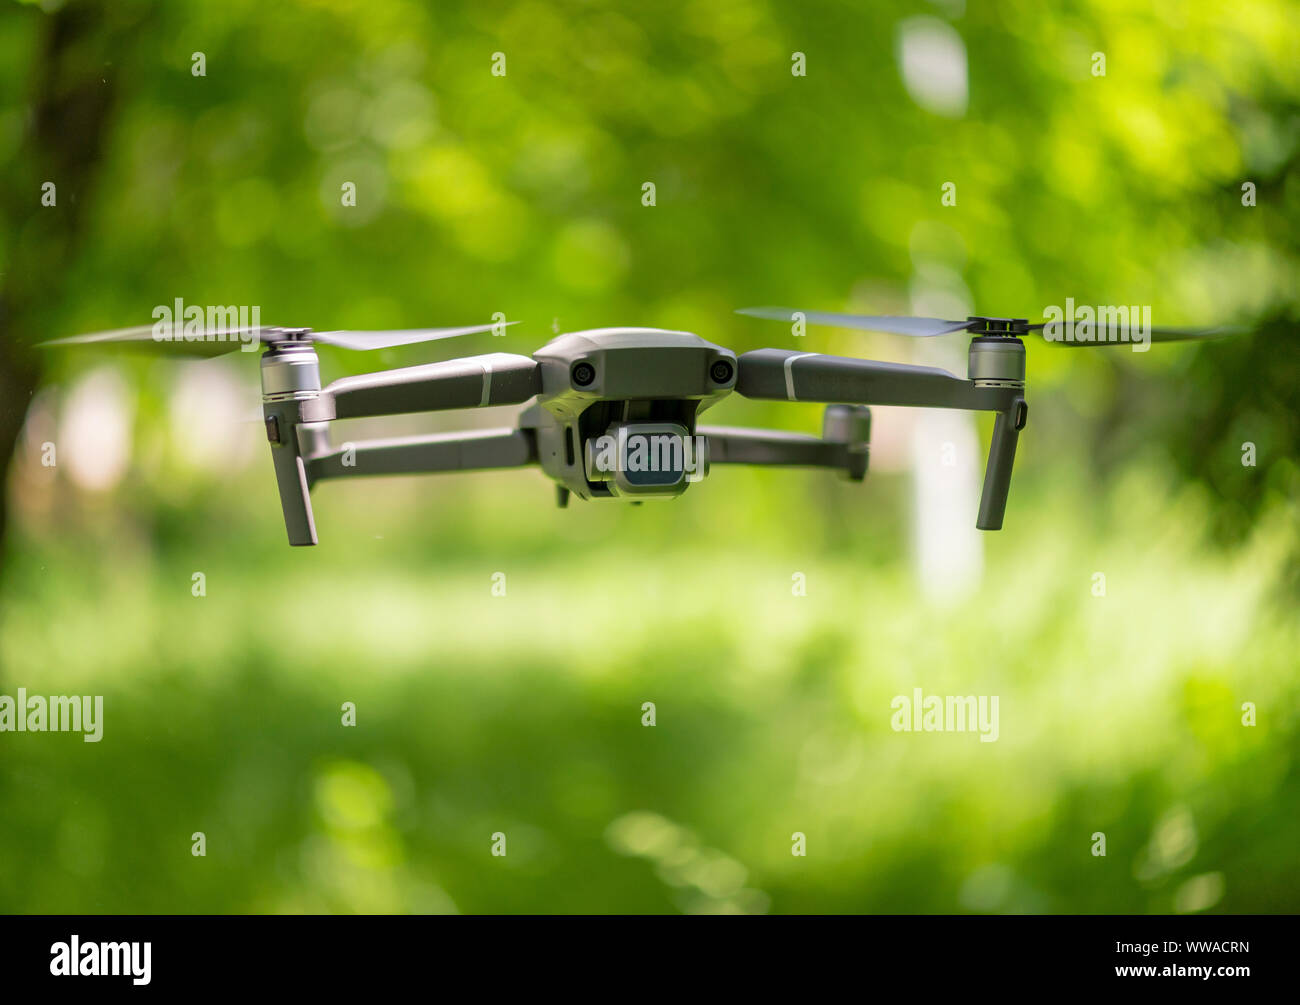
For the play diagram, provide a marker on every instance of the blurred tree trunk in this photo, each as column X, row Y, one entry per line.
column 68, row 108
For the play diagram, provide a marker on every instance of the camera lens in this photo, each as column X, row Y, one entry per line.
column 721, row 371
column 583, row 374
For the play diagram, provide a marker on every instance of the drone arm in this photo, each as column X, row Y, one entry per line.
column 472, row 450
column 844, row 447
column 783, row 375
column 300, row 452
column 730, row 445
column 494, row 379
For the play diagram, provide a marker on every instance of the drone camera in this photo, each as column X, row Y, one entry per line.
column 652, row 459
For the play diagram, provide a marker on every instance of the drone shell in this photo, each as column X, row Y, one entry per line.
column 593, row 378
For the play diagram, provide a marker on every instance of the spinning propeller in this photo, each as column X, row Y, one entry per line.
column 929, row 327
column 228, row 340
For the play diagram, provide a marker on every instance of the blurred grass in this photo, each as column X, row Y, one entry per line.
column 522, row 714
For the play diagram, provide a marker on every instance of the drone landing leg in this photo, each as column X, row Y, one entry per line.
column 997, row 474
column 291, row 479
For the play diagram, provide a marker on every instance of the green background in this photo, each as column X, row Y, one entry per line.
column 479, row 714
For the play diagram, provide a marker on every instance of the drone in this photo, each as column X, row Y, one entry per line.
column 612, row 413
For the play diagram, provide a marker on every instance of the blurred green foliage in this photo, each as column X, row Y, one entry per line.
column 522, row 714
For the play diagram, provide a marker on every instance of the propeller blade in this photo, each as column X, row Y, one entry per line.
column 1161, row 334
column 389, row 339
column 917, row 327
column 142, row 337
column 927, row 327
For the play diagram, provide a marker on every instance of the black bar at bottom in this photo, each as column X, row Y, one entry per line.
column 1230, row 954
